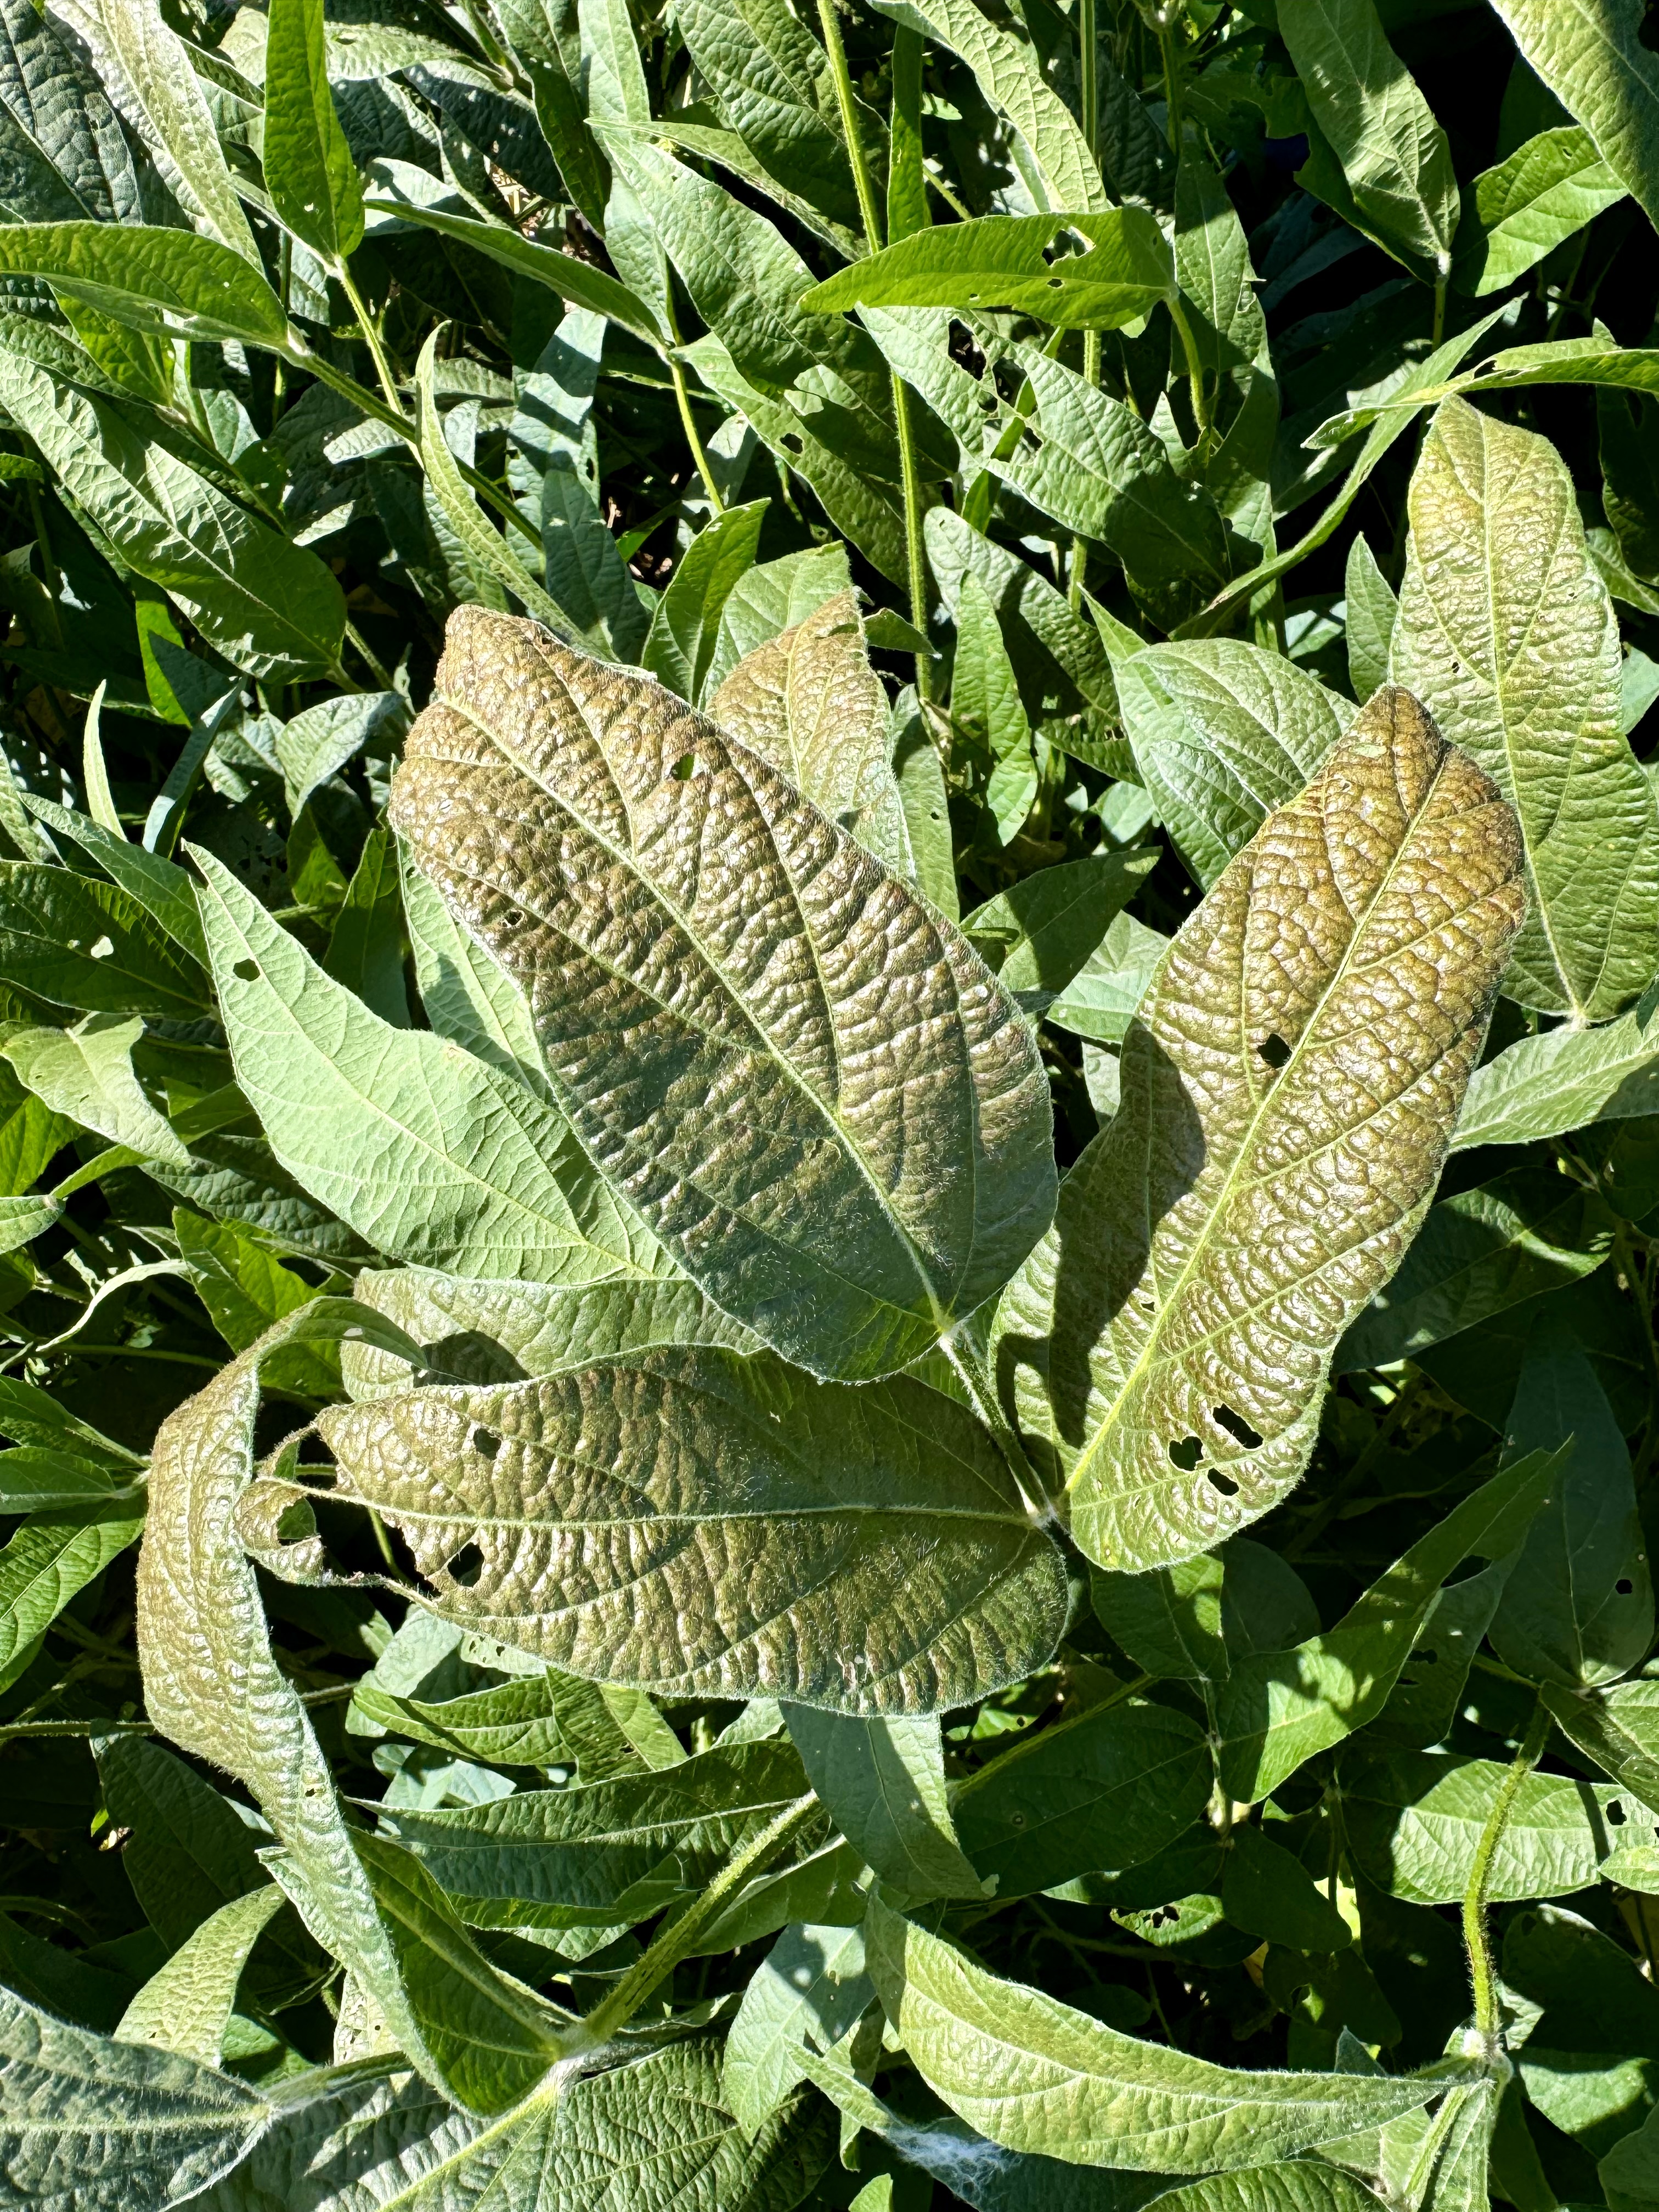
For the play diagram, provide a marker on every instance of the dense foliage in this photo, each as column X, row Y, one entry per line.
column 828, row 936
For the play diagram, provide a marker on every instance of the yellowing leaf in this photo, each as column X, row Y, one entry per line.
column 1288, row 1089
column 843, row 1162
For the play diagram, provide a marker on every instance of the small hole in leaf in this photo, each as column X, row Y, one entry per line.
column 246, row 971
column 1187, row 1454
column 1624, row 1586
column 1224, row 1483
column 1056, row 283
column 1237, row 1427
column 514, row 917
column 1615, row 1814
column 467, row 1567
column 791, row 444
column 1274, row 1050
column 684, row 767
column 486, row 1443
column 1426, row 1658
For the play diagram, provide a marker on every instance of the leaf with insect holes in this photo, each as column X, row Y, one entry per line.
column 1290, row 1086
column 1002, row 261
column 840, row 1161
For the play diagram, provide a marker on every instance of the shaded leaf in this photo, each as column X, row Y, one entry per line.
column 881, row 1782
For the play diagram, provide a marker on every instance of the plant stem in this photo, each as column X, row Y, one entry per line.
column 682, row 397
column 1439, row 312
column 1477, row 1941
column 1078, row 569
column 672, row 1944
column 1166, row 23
column 371, row 659
column 915, row 559
column 1179, row 316
column 371, row 334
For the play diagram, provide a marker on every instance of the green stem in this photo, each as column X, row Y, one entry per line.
column 1439, row 312
column 915, row 558
column 367, row 325
column 683, row 398
column 1477, row 1940
column 970, row 1372
column 1077, row 574
column 1179, row 316
column 1166, row 23
column 672, row 1944
column 1089, row 56
column 370, row 659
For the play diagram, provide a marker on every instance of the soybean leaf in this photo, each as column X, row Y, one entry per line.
column 86, row 1073
column 1414, row 1820
column 1505, row 630
column 186, row 2007
column 1394, row 156
column 1137, row 1361
column 1097, row 1793
column 1280, row 1709
column 1101, row 999
column 1169, row 1621
column 809, row 1538
column 270, row 606
column 1577, row 1608
column 1372, row 610
column 1592, row 57
column 685, row 626
column 465, row 994
column 1559, row 1080
column 174, row 282
column 366, row 945
column 309, row 171
column 585, row 573
column 1428, row 1693
column 774, row 83
column 52, row 1556
column 1523, row 209
column 349, row 1103
column 92, row 2126
column 1003, row 261
column 811, row 1984
column 65, row 154
column 157, row 67
column 872, row 1213
column 160, row 886
column 1483, row 1250
column 1039, row 934
column 881, row 1782
column 1619, row 1727
column 985, row 701
column 1223, row 733
column 1035, row 2074
column 1268, row 1891
column 80, row 942
column 316, row 743
column 516, row 1724
column 776, row 596
column 1054, row 157
column 553, row 1858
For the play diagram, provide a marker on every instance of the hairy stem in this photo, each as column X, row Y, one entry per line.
column 367, row 325
column 672, row 1944
column 1477, row 1939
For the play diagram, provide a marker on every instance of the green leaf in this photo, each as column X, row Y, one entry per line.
column 1487, row 1249
column 32, row 1480
column 1560, row 1079
column 843, row 1497
column 54, row 1555
column 583, row 569
column 1280, row 1709
column 211, row 1681
column 160, row 887
column 1414, row 1818
column 29, row 1416
column 247, row 1290
column 1523, row 209
column 1428, row 1694
column 1039, row 934
column 1050, row 151
column 1295, row 2188
column 810, row 704
column 1168, row 1365
column 23, row 1219
column 1223, row 733
column 1592, row 56
column 1394, row 154
column 1372, row 611
column 1268, row 1890
column 366, row 945
column 269, row 605
column 466, row 995
column 516, row 1724
column 773, row 81
column 156, row 64
column 176, row 283
column 186, row 2007
column 1003, row 261
column 1034, row 2074
column 985, row 700
column 1094, row 1793
column 881, row 1782
column 686, row 624
column 811, row 1984
column 1619, row 1727
column 82, row 943
column 89, row 2124
column 579, row 282
column 64, row 152
column 1507, row 634
column 319, row 742
column 1101, row 999
column 1577, row 1608
column 309, row 171
column 86, row 1073
column 555, row 1857
column 1169, row 1621
column 351, row 1105
column 873, row 1212
column 776, row 596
